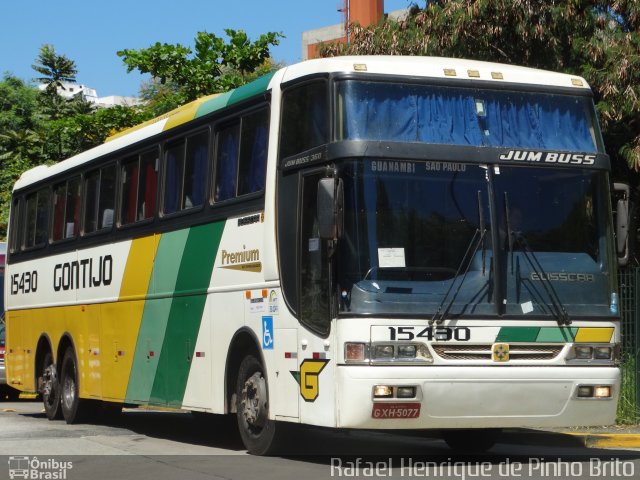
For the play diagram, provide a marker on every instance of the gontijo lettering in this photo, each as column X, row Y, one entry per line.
column 85, row 273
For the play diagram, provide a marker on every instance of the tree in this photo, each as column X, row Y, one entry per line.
column 55, row 69
column 596, row 39
column 214, row 66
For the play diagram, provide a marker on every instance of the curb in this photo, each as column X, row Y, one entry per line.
column 606, row 440
column 571, row 439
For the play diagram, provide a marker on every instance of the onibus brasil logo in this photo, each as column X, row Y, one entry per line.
column 36, row 469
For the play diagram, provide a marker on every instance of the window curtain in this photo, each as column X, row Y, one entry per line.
column 439, row 115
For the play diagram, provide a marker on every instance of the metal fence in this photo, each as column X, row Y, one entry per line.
column 629, row 285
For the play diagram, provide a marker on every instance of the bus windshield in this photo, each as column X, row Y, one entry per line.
column 402, row 112
column 418, row 239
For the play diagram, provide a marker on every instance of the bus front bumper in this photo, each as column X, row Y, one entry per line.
column 475, row 397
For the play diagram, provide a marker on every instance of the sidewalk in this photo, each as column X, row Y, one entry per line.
column 617, row 436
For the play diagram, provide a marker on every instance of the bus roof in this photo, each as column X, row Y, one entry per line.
column 436, row 67
column 428, row 67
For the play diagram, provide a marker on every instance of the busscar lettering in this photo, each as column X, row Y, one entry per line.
column 562, row 276
column 85, row 273
column 562, row 158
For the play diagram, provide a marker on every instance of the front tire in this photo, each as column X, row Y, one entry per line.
column 259, row 434
column 50, row 388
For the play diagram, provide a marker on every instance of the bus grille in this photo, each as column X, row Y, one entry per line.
column 483, row 352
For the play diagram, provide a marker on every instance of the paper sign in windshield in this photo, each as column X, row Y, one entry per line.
column 391, row 257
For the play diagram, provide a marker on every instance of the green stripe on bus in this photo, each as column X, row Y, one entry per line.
column 155, row 317
column 234, row 96
column 556, row 334
column 185, row 316
column 518, row 334
column 536, row 334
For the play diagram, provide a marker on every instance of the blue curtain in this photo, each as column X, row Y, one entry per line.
column 444, row 115
column 172, row 183
column 258, row 160
column 227, row 165
column 199, row 175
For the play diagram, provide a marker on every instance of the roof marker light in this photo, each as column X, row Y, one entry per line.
column 450, row 72
column 576, row 82
column 497, row 75
column 360, row 67
column 473, row 73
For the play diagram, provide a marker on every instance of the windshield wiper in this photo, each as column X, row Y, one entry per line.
column 516, row 236
column 476, row 240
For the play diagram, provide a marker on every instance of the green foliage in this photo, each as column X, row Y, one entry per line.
column 213, row 66
column 596, row 39
column 55, row 69
column 628, row 409
column 42, row 127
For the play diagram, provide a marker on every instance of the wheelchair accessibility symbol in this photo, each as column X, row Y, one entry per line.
column 267, row 333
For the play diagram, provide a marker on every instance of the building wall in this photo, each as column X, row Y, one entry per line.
column 363, row 12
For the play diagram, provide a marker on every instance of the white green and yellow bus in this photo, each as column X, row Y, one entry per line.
column 356, row 243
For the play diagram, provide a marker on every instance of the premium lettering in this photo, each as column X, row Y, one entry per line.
column 232, row 258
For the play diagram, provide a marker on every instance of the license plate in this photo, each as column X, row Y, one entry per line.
column 395, row 410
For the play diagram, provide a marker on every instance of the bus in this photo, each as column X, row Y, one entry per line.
column 356, row 242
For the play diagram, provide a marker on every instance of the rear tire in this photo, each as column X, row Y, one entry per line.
column 472, row 440
column 74, row 409
column 259, row 434
column 50, row 388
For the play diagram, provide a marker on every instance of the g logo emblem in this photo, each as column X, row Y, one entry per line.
column 307, row 378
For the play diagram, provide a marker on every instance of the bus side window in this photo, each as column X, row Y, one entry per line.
column 106, row 202
column 129, row 193
column 99, row 188
column 91, row 193
column 66, row 209
column 195, row 170
column 305, row 121
column 147, row 185
column 314, row 263
column 227, row 162
column 253, row 152
column 173, row 174
column 36, row 219
column 15, row 226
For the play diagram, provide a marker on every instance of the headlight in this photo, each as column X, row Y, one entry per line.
column 387, row 353
column 583, row 352
column 407, row 351
column 383, row 352
column 593, row 353
column 602, row 353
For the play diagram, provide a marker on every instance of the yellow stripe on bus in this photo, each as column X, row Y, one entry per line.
column 135, row 282
column 120, row 321
column 596, row 335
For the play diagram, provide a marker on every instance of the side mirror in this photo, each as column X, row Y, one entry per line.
column 329, row 205
column 622, row 192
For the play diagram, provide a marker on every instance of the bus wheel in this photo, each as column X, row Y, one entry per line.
column 258, row 433
column 73, row 408
column 472, row 440
column 50, row 388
